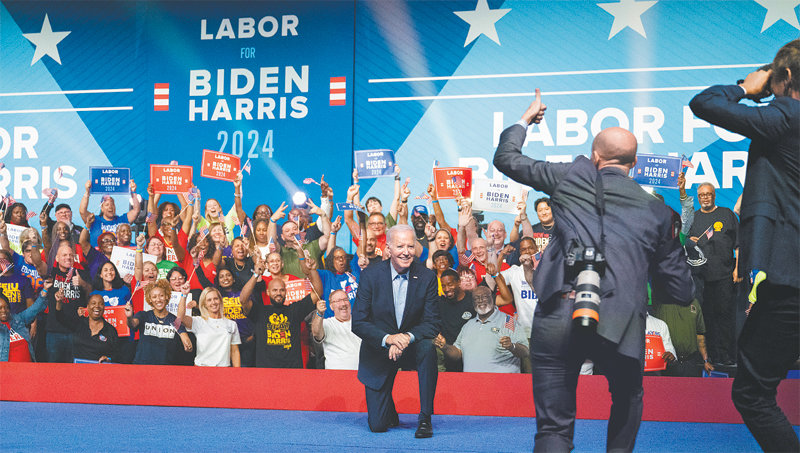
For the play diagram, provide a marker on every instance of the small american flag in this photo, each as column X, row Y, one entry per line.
column 173, row 162
column 310, row 181
column 436, row 163
column 709, row 232
column 244, row 229
column 150, row 218
column 246, row 167
column 59, row 172
column 70, row 274
column 466, row 258
column 51, row 194
column 511, row 322
column 203, row 233
column 30, row 215
column 423, row 196
column 5, row 265
column 685, row 162
column 271, row 245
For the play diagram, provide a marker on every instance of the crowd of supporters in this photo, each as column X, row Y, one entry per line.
column 211, row 286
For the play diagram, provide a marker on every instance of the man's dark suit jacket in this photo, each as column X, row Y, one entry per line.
column 769, row 228
column 641, row 240
column 374, row 316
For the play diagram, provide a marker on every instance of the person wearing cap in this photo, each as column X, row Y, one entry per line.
column 419, row 219
column 107, row 219
column 63, row 213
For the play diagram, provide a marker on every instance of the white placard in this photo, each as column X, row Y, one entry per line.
column 496, row 196
column 14, row 232
column 125, row 260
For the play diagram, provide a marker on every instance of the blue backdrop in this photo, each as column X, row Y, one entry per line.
column 429, row 79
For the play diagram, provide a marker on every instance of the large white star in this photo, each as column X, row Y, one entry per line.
column 481, row 21
column 46, row 42
column 627, row 13
column 779, row 10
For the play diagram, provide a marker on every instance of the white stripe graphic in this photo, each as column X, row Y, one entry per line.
column 338, row 96
column 47, row 93
column 338, row 85
column 158, row 91
column 562, row 73
column 81, row 109
column 550, row 93
column 161, row 102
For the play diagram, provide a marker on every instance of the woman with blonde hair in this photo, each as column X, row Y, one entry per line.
column 158, row 335
column 217, row 336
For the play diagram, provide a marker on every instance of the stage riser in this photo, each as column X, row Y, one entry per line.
column 508, row 395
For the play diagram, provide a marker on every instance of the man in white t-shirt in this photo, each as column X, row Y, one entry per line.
column 655, row 327
column 340, row 345
column 519, row 278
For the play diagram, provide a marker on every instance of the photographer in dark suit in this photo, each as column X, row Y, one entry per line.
column 397, row 315
column 769, row 236
column 599, row 213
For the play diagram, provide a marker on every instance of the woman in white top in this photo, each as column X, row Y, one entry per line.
column 217, row 337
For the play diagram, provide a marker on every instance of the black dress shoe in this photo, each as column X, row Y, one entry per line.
column 424, row 430
column 394, row 422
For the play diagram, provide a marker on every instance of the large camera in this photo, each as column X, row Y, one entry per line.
column 589, row 265
column 759, row 97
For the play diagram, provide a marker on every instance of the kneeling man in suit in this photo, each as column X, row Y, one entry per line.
column 396, row 315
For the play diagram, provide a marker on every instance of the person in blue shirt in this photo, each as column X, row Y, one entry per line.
column 107, row 219
column 108, row 284
column 341, row 276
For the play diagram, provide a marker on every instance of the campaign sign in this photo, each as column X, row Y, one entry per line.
column 171, row 178
column 496, row 196
column 219, row 165
column 14, row 232
column 297, row 289
column 654, row 353
column 110, row 180
column 349, row 207
column 452, row 181
column 125, row 259
column 657, row 171
column 374, row 163
column 117, row 318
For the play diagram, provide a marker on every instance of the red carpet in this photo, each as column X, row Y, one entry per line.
column 665, row 399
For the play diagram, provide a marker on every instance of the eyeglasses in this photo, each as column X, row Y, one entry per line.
column 107, row 241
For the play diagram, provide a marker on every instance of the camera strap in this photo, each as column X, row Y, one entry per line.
column 600, row 205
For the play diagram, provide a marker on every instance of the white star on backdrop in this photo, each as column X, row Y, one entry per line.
column 481, row 21
column 46, row 41
column 779, row 10
column 627, row 13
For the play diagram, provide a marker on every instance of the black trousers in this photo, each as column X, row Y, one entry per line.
column 719, row 314
column 768, row 347
column 557, row 352
column 420, row 355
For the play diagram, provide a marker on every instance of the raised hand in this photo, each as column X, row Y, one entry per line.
column 280, row 212
column 535, row 111
column 140, row 241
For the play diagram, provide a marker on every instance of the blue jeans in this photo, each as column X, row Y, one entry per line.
column 59, row 347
